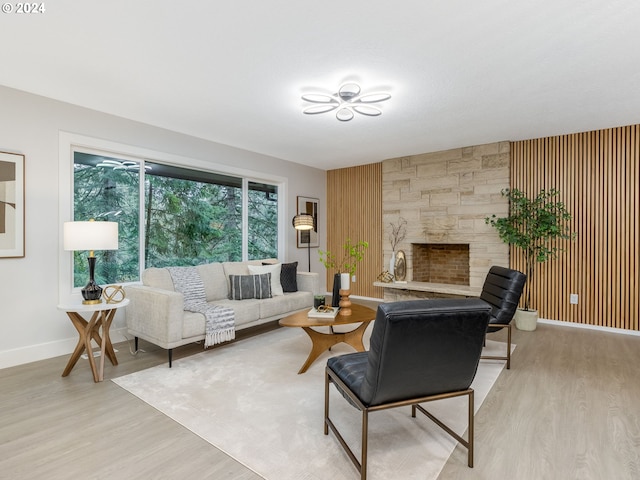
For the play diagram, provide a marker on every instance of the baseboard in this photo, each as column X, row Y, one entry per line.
column 621, row 331
column 44, row 351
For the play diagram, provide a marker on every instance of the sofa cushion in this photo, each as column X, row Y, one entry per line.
column 274, row 270
column 246, row 311
column 289, row 302
column 215, row 282
column 235, row 268
column 193, row 324
column 244, row 287
column 158, row 278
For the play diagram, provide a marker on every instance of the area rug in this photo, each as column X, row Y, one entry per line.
column 247, row 399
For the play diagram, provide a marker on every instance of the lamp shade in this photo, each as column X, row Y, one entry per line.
column 91, row 235
column 303, row 221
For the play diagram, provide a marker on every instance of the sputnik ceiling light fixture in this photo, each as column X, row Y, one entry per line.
column 346, row 101
column 125, row 165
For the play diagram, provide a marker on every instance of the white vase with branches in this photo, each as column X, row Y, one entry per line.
column 397, row 233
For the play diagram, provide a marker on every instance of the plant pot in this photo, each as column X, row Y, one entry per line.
column 526, row 320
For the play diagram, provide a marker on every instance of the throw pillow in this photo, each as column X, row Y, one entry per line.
column 244, row 287
column 288, row 276
column 274, row 270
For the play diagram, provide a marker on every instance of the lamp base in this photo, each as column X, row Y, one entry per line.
column 91, row 302
column 92, row 293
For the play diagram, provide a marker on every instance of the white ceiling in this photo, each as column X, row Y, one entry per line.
column 461, row 72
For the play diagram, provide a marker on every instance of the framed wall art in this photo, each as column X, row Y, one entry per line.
column 308, row 238
column 11, row 205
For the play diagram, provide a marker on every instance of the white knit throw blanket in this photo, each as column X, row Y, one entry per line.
column 220, row 321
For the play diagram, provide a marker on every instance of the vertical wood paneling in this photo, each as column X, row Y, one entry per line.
column 354, row 211
column 598, row 175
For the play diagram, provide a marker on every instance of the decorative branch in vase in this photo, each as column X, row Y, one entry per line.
column 397, row 234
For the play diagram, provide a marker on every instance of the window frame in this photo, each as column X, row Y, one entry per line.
column 70, row 142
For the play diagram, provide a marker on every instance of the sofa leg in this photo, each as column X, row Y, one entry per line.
column 135, row 343
column 170, row 356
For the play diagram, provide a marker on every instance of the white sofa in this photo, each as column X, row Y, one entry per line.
column 156, row 310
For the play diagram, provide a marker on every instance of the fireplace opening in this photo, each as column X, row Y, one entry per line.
column 446, row 263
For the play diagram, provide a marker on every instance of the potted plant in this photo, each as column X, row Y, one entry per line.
column 346, row 262
column 531, row 226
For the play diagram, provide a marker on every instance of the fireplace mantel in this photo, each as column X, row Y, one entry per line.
column 423, row 289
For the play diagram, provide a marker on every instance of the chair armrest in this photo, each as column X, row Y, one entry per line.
column 308, row 282
column 154, row 313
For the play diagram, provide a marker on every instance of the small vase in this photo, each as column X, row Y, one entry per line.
column 392, row 263
column 335, row 296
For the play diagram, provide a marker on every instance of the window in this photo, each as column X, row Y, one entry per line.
column 189, row 216
column 106, row 189
column 263, row 221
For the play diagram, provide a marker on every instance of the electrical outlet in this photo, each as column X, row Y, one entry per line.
column 96, row 353
column 573, row 299
column 353, row 278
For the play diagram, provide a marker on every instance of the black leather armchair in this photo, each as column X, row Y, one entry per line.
column 502, row 290
column 420, row 351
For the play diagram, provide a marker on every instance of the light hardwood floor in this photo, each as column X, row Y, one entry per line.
column 569, row 408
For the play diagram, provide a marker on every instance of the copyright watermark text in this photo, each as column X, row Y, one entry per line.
column 23, row 8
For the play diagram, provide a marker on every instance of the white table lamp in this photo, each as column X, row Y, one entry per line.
column 91, row 236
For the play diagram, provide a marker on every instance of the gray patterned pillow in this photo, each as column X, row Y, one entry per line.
column 289, row 277
column 244, row 287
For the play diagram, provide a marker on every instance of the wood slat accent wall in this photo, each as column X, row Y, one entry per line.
column 598, row 175
column 354, row 210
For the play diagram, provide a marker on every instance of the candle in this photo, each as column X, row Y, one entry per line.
column 344, row 281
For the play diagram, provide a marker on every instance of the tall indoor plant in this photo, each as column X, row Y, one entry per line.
column 345, row 262
column 531, row 226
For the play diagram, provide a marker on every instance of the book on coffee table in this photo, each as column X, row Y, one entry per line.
column 314, row 313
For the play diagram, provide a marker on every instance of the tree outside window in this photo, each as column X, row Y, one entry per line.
column 190, row 217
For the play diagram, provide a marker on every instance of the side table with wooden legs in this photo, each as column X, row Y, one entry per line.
column 101, row 317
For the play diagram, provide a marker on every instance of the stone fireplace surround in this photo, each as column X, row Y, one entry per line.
column 445, row 197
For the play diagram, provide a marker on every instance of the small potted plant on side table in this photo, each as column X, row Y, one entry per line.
column 530, row 226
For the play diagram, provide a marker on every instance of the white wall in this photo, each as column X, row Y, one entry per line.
column 31, row 328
